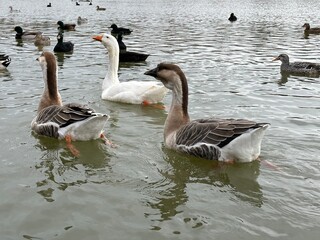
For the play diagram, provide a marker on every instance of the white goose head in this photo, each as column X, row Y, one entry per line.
column 109, row 41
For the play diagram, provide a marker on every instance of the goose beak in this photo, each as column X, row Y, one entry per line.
column 152, row 72
column 97, row 38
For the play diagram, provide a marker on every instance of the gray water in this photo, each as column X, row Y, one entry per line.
column 140, row 189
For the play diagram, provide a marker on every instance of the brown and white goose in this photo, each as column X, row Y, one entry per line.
column 215, row 139
column 71, row 121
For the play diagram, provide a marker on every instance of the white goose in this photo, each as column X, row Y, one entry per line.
column 134, row 92
column 226, row 140
column 70, row 121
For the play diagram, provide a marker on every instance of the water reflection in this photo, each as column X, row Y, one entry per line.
column 61, row 169
column 238, row 179
column 61, row 56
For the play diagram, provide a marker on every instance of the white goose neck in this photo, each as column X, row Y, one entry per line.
column 112, row 73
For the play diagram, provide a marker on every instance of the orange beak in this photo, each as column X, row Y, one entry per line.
column 98, row 38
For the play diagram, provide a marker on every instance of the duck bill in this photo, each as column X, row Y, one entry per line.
column 275, row 59
column 152, row 72
column 97, row 38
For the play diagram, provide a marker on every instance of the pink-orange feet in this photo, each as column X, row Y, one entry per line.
column 75, row 152
column 107, row 141
column 158, row 106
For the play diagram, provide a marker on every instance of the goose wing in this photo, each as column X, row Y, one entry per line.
column 52, row 118
column 205, row 137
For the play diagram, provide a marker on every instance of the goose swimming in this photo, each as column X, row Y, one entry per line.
column 133, row 92
column 226, row 140
column 71, row 121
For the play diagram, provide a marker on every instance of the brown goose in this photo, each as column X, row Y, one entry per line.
column 212, row 138
column 71, row 121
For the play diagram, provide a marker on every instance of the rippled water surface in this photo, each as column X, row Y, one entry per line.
column 140, row 189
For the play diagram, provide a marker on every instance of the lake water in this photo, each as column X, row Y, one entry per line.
column 140, row 189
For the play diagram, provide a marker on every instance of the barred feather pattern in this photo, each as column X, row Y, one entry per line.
column 51, row 118
column 205, row 137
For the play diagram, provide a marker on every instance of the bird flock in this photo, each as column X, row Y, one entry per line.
column 227, row 140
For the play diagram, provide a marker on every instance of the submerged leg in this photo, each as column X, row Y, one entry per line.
column 107, row 141
column 75, row 152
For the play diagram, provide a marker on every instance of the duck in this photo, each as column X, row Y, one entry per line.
column 49, row 5
column 132, row 92
column 62, row 46
column 77, row 4
column 81, row 20
column 25, row 35
column 72, row 121
column 100, row 8
column 5, row 61
column 66, row 26
column 232, row 18
column 41, row 40
column 116, row 30
column 128, row 56
column 299, row 68
column 225, row 140
column 13, row 10
column 308, row 30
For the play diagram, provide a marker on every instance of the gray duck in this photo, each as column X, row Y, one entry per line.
column 300, row 68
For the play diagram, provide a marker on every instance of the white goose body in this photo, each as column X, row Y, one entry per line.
column 212, row 138
column 73, row 120
column 133, row 92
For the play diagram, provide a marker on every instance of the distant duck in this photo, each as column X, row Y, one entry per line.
column 81, row 20
column 127, row 56
column 73, row 121
column 133, row 92
column 232, row 18
column 299, row 68
column 90, row 3
column 116, row 30
column 41, row 40
column 228, row 140
column 66, row 26
column 5, row 60
column 63, row 46
column 77, row 4
column 308, row 30
column 100, row 8
column 49, row 5
column 13, row 10
column 28, row 35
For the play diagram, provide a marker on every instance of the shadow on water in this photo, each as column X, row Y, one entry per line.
column 62, row 169
column 238, row 179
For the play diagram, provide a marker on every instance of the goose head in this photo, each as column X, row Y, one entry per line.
column 109, row 41
column 170, row 75
column 284, row 58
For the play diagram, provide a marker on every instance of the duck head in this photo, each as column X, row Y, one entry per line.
column 18, row 29
column 284, row 58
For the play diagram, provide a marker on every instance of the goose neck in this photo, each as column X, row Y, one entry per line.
column 112, row 72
